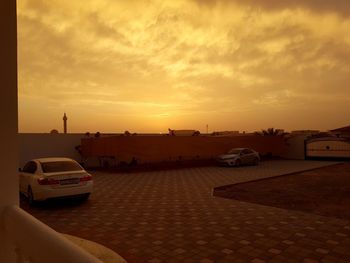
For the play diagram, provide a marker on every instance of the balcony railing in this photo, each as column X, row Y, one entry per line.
column 35, row 242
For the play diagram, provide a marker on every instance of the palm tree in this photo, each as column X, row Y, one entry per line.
column 271, row 132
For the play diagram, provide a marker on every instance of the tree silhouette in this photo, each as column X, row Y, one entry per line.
column 271, row 132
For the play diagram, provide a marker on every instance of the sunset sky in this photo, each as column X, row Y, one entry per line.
column 145, row 66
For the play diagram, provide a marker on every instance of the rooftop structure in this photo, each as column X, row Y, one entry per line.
column 342, row 132
column 304, row 132
column 345, row 129
column 65, row 123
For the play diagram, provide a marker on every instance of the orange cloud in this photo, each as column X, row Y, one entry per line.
column 150, row 65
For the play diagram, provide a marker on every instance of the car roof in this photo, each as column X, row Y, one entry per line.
column 239, row 149
column 52, row 159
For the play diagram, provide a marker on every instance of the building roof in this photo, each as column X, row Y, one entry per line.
column 328, row 139
column 342, row 129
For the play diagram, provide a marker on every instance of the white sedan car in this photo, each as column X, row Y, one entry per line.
column 46, row 178
column 239, row 156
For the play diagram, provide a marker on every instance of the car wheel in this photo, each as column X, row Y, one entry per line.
column 30, row 196
column 238, row 163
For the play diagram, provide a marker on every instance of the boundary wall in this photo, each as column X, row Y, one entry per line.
column 172, row 148
column 36, row 145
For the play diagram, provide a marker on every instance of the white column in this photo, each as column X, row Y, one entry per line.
column 8, row 118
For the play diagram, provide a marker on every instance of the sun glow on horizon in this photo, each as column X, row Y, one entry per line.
column 147, row 66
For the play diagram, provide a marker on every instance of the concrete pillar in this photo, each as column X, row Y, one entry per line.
column 8, row 118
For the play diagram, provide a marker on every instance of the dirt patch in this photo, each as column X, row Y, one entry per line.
column 324, row 191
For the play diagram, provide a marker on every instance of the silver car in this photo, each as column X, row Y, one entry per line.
column 238, row 157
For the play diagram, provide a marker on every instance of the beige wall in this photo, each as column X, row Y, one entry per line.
column 36, row 145
column 151, row 148
column 8, row 119
column 170, row 148
column 295, row 147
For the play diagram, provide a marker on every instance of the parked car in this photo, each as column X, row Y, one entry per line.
column 238, row 157
column 46, row 178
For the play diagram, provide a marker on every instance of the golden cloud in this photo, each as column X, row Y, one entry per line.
column 190, row 62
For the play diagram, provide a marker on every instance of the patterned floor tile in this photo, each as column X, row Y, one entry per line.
column 171, row 216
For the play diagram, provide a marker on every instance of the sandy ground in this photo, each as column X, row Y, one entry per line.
column 324, row 191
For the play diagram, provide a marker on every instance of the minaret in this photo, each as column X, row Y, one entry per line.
column 65, row 123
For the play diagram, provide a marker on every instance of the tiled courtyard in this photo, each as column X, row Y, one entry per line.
column 171, row 216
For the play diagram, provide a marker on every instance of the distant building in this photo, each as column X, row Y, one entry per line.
column 304, row 132
column 225, row 133
column 183, row 132
column 341, row 132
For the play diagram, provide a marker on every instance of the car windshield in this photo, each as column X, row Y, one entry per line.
column 234, row 151
column 60, row 166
